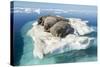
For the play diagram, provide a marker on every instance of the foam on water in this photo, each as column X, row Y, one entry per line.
column 45, row 43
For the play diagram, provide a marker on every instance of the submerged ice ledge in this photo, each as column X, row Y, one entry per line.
column 45, row 42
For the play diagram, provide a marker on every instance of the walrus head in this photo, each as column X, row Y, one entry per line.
column 41, row 21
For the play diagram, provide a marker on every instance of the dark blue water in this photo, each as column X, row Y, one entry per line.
column 22, row 48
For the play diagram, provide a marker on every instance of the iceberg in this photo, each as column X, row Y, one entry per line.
column 45, row 43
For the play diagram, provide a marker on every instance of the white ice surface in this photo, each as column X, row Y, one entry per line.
column 46, row 43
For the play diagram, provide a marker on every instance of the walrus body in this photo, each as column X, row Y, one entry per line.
column 57, row 26
column 61, row 29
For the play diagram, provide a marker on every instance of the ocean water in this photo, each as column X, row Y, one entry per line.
column 23, row 18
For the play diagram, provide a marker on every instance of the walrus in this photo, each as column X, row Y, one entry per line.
column 49, row 21
column 61, row 29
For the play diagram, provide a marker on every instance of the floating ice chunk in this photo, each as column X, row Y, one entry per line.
column 46, row 43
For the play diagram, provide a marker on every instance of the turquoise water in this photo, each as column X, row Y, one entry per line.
column 22, row 44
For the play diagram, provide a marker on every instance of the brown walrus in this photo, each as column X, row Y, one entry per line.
column 49, row 21
column 61, row 29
